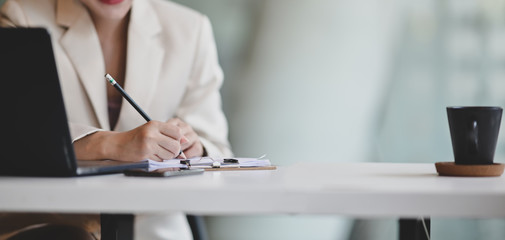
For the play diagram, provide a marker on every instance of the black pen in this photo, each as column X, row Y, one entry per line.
column 133, row 103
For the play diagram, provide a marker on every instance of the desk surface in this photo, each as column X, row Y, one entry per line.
column 349, row 189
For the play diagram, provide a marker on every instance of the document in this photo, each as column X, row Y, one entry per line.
column 208, row 162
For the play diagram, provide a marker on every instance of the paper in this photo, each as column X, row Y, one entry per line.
column 174, row 163
column 207, row 162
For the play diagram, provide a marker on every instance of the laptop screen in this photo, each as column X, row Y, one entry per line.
column 34, row 122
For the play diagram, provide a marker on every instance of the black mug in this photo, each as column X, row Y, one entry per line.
column 474, row 133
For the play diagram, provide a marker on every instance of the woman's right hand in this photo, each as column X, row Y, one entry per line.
column 153, row 140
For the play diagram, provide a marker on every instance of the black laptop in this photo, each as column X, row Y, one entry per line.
column 34, row 129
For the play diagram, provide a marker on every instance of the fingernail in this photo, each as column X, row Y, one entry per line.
column 184, row 140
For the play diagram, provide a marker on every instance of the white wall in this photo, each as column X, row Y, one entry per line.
column 307, row 90
column 353, row 80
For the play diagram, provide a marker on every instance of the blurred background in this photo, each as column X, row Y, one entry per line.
column 353, row 81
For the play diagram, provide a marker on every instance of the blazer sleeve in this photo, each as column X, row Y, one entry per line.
column 11, row 15
column 201, row 106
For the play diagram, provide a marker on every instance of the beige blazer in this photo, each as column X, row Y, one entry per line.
column 172, row 68
column 172, row 71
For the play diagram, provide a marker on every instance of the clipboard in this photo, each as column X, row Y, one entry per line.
column 209, row 164
column 241, row 168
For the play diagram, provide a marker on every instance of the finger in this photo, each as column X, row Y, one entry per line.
column 182, row 155
column 186, row 128
column 189, row 136
column 175, row 121
column 169, row 144
column 185, row 140
column 171, row 131
column 182, row 124
column 156, row 158
column 167, row 152
column 195, row 150
column 189, row 140
column 191, row 151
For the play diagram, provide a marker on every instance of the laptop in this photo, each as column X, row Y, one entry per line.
column 34, row 130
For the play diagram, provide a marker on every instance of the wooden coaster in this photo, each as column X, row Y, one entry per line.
column 452, row 169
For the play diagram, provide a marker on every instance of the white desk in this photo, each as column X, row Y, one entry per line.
column 363, row 190
column 351, row 189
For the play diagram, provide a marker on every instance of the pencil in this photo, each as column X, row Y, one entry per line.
column 127, row 97
column 133, row 103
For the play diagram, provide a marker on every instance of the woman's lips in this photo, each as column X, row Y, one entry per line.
column 111, row 2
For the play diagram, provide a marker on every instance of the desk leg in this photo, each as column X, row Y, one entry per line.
column 414, row 229
column 116, row 226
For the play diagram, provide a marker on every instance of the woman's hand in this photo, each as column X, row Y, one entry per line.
column 154, row 140
column 192, row 147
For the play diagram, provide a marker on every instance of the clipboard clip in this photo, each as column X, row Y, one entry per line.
column 230, row 160
column 186, row 162
column 226, row 162
column 214, row 164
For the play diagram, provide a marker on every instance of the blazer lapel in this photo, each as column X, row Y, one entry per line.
column 143, row 64
column 82, row 46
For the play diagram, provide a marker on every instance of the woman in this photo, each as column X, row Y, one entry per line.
column 163, row 54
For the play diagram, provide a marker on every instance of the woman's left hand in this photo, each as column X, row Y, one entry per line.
column 193, row 147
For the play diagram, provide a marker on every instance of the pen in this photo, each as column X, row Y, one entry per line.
column 133, row 103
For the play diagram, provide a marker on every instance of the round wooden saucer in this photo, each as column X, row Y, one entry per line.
column 452, row 169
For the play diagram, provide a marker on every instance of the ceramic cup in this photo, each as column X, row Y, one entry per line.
column 474, row 133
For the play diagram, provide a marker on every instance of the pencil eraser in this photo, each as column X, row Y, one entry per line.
column 110, row 79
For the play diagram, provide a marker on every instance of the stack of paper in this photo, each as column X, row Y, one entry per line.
column 174, row 163
column 253, row 162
